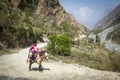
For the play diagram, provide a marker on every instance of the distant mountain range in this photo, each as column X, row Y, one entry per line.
column 108, row 30
column 111, row 19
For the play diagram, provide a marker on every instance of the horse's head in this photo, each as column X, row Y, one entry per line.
column 46, row 55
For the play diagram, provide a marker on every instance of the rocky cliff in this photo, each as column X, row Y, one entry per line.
column 22, row 21
column 111, row 19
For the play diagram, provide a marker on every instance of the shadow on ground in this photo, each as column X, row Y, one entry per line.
column 37, row 69
column 13, row 78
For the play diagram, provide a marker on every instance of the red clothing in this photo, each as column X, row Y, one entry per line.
column 33, row 49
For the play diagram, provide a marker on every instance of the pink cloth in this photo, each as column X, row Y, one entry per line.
column 34, row 49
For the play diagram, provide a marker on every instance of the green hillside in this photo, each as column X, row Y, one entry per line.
column 20, row 25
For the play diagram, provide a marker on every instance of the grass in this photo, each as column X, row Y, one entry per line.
column 93, row 56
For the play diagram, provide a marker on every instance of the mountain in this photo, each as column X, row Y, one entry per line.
column 110, row 25
column 23, row 21
column 111, row 19
column 108, row 30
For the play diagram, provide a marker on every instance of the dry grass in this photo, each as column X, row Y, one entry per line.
column 99, row 59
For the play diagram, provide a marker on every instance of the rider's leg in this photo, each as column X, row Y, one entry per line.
column 33, row 55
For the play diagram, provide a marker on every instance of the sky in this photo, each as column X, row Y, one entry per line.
column 89, row 12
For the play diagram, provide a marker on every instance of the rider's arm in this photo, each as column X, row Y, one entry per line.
column 30, row 51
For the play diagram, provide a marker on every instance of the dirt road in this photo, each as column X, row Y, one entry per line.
column 14, row 67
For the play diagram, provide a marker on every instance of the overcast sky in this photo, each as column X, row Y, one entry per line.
column 89, row 12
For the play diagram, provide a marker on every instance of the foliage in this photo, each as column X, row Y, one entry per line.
column 20, row 27
column 70, row 29
column 59, row 44
column 95, row 56
column 97, row 39
column 16, row 30
column 27, row 4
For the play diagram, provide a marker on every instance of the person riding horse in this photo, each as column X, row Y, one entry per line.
column 37, row 56
column 34, row 50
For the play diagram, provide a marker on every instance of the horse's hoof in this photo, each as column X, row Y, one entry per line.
column 40, row 70
column 29, row 69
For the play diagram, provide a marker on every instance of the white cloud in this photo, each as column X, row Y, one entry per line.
column 84, row 12
column 85, row 15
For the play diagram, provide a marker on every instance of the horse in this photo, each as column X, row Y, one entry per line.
column 40, row 57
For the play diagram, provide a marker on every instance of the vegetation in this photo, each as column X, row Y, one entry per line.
column 59, row 45
column 15, row 29
column 27, row 4
column 95, row 56
column 19, row 26
column 100, row 59
column 92, row 55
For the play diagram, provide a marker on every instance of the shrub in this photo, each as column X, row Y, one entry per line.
column 59, row 45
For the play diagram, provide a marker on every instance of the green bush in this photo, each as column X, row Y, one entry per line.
column 59, row 45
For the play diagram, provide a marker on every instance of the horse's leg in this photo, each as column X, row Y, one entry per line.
column 40, row 64
column 30, row 63
column 40, row 67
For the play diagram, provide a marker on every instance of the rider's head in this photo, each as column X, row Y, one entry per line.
column 35, row 43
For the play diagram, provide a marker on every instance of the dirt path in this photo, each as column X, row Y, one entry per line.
column 14, row 67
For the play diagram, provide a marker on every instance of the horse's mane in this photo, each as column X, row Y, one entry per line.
column 42, row 53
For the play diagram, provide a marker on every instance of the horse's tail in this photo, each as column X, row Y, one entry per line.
column 27, row 60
